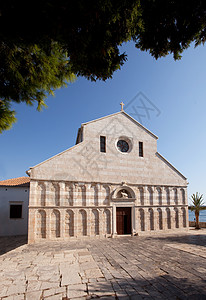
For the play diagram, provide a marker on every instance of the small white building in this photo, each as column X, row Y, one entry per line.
column 14, row 201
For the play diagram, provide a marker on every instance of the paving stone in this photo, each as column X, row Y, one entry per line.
column 70, row 274
column 33, row 285
column 54, row 297
column 100, row 289
column 16, row 289
column 33, row 295
column 3, row 290
column 76, row 290
column 47, row 285
column 54, row 291
column 93, row 273
column 155, row 267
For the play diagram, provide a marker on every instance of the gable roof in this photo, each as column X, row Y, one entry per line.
column 170, row 165
column 129, row 117
column 79, row 131
column 19, row 181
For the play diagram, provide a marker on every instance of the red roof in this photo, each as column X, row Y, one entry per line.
column 16, row 181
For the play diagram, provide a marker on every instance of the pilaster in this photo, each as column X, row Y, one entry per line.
column 62, row 223
column 62, row 194
column 114, row 221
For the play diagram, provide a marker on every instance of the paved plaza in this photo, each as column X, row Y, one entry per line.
column 152, row 267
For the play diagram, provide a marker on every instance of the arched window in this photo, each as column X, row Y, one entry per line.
column 168, row 218
column 83, row 222
column 160, row 218
column 55, row 223
column 95, row 222
column 151, row 218
column 69, row 223
column 107, row 215
column 41, row 224
column 142, row 219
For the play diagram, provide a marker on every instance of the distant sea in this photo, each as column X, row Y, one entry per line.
column 202, row 216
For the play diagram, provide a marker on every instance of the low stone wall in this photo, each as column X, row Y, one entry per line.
column 202, row 224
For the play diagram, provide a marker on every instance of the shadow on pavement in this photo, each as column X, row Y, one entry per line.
column 162, row 287
column 8, row 243
column 199, row 240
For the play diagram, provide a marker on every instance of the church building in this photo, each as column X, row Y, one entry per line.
column 112, row 182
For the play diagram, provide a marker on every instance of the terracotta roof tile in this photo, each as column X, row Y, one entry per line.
column 15, row 181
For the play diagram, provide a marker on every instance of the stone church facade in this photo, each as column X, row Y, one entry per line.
column 112, row 182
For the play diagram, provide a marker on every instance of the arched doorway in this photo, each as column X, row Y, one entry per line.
column 123, row 212
column 123, row 217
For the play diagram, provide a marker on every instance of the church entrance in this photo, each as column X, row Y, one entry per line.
column 123, row 220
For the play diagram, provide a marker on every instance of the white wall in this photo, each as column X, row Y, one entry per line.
column 13, row 195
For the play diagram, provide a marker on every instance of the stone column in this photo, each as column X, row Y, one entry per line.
column 187, row 217
column 172, row 214
column 62, row 194
column 96, row 195
column 146, row 220
column 101, row 222
column 175, row 196
column 75, row 196
column 146, row 195
column 167, row 196
column 62, row 223
column 179, row 200
column 156, row 219
column 84, row 195
column 89, row 188
column 100, row 199
column 89, row 221
column 141, row 195
column 114, row 220
column 164, row 219
column 185, row 196
column 180, row 212
column 33, row 193
column 48, row 223
column 133, row 220
column 136, row 223
column 75, row 225
column 31, row 226
column 136, row 191
column 140, row 210
column 155, row 196
column 77, row 222
column 164, row 196
column 47, row 193
column 151, row 195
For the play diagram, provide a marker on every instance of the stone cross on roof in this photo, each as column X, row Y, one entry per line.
column 122, row 104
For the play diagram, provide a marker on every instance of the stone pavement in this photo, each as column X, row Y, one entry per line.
column 151, row 267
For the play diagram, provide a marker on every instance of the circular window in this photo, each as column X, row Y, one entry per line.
column 122, row 146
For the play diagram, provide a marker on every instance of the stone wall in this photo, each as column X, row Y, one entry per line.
column 76, row 193
column 84, row 162
column 61, row 210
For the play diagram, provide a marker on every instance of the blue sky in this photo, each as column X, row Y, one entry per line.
column 175, row 89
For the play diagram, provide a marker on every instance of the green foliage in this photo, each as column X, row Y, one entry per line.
column 30, row 74
column 7, row 116
column 197, row 202
column 52, row 41
column 171, row 26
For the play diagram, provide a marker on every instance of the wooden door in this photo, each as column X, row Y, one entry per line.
column 123, row 215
